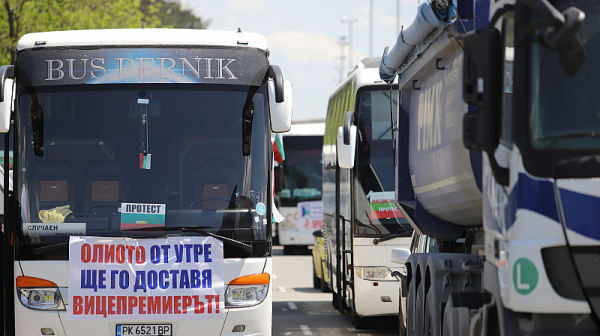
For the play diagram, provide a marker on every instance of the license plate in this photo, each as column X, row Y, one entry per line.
column 144, row 329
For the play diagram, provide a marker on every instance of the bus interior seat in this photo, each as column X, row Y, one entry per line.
column 214, row 178
column 104, row 188
column 56, row 186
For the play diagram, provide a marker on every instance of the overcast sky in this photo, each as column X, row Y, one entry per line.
column 303, row 37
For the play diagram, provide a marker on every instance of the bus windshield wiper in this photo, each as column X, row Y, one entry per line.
column 391, row 236
column 48, row 248
column 198, row 229
column 571, row 136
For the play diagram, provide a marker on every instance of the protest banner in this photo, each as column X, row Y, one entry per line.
column 145, row 279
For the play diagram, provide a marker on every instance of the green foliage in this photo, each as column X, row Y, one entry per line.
column 19, row 17
column 171, row 15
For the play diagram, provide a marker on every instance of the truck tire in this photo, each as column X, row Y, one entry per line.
column 401, row 326
column 316, row 280
column 419, row 313
column 432, row 324
column 410, row 310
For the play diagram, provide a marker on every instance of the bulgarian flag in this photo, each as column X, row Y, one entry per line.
column 278, row 152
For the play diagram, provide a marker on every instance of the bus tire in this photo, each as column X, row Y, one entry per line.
column 324, row 287
column 316, row 280
column 289, row 249
column 334, row 300
column 361, row 323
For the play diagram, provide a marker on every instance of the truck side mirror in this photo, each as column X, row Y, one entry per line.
column 346, row 142
column 482, row 78
column 278, row 171
column 7, row 75
column 400, row 255
column 280, row 101
column 482, row 87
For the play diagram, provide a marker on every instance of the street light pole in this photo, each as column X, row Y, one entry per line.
column 370, row 28
column 398, row 18
column 350, row 23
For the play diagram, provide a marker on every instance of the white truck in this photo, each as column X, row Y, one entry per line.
column 514, row 215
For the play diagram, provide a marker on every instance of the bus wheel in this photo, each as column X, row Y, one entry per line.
column 289, row 249
column 316, row 280
column 361, row 323
column 324, row 286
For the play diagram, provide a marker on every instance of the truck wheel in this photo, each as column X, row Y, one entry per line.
column 316, row 280
column 410, row 310
column 419, row 312
column 401, row 326
column 361, row 323
column 431, row 323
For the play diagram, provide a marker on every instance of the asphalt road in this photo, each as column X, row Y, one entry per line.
column 300, row 310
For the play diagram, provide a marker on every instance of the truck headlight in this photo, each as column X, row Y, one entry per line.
column 40, row 294
column 247, row 291
column 375, row 273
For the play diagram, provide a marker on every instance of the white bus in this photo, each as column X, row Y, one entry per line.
column 141, row 202
column 361, row 221
column 300, row 196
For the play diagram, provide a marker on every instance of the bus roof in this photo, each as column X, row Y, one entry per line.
column 303, row 128
column 142, row 37
column 366, row 72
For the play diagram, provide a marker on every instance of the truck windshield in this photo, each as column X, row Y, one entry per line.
column 564, row 105
column 302, row 169
column 100, row 160
column 376, row 212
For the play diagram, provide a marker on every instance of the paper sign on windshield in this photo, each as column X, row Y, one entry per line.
column 383, row 205
column 145, row 279
column 138, row 215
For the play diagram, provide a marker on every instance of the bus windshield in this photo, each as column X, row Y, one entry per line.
column 101, row 160
column 376, row 212
column 302, row 169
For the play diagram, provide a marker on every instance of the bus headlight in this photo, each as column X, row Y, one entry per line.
column 375, row 273
column 247, row 291
column 35, row 293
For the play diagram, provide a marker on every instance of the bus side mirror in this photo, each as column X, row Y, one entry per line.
column 400, row 255
column 278, row 171
column 346, row 142
column 280, row 100
column 281, row 113
column 318, row 234
column 7, row 75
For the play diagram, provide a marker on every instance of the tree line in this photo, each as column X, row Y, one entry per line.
column 19, row 17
